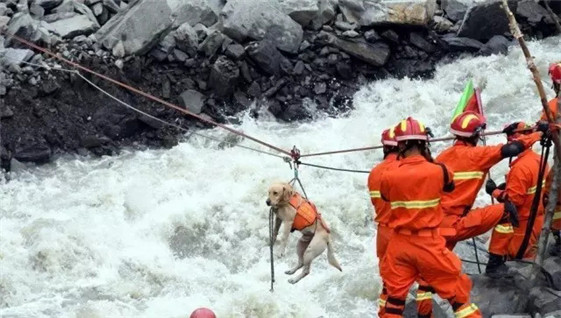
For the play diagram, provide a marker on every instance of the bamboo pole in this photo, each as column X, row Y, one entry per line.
column 553, row 197
column 515, row 30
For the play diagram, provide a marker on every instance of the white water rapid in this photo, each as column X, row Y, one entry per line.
column 158, row 233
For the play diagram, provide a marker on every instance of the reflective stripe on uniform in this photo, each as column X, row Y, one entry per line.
column 466, row 311
column 506, row 229
column 557, row 215
column 415, row 204
column 375, row 194
column 467, row 175
column 533, row 189
column 381, row 302
column 424, row 296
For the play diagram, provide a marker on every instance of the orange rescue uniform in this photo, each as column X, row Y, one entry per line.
column 384, row 232
column 556, row 222
column 521, row 185
column 471, row 165
column 414, row 190
column 552, row 108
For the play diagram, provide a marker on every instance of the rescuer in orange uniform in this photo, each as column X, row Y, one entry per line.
column 383, row 210
column 471, row 164
column 414, row 189
column 520, row 189
column 555, row 73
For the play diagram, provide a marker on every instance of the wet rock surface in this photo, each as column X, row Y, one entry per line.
column 295, row 60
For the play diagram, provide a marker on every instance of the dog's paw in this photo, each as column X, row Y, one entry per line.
column 280, row 254
column 293, row 281
column 289, row 272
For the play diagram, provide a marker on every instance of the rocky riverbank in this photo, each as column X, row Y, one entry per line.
column 291, row 59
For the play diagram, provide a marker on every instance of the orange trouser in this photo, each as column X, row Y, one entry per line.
column 476, row 222
column 506, row 240
column 425, row 255
column 424, row 292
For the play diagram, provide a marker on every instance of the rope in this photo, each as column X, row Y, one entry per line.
column 332, row 168
column 146, row 95
column 271, row 242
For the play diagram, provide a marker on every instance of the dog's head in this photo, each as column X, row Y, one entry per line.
column 279, row 194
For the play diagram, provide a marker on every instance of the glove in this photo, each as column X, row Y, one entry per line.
column 490, row 186
column 509, row 130
column 502, row 186
column 542, row 126
column 510, row 208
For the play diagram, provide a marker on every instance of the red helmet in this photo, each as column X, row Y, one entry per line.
column 202, row 313
column 388, row 138
column 467, row 124
column 521, row 128
column 410, row 129
column 555, row 72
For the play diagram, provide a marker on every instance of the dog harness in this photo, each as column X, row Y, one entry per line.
column 306, row 212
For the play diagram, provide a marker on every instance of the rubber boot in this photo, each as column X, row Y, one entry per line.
column 512, row 213
column 496, row 267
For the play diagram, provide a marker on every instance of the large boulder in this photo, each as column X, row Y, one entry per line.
column 266, row 56
column 326, row 12
column 553, row 266
column 301, row 11
column 74, row 26
column 533, row 12
column 461, row 44
column 368, row 13
column 224, row 77
column 496, row 45
column 544, row 300
column 485, row 20
column 260, row 18
column 192, row 100
column 456, row 9
column 11, row 56
column 47, row 4
column 23, row 25
column 145, row 22
column 186, row 39
column 375, row 54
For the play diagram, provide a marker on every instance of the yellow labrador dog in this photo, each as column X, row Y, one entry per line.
column 298, row 214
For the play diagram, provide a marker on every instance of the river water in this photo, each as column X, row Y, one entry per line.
column 158, row 233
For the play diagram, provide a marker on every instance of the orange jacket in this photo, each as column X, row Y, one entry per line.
column 521, row 183
column 471, row 165
column 381, row 207
column 306, row 212
column 414, row 189
column 547, row 188
column 552, row 108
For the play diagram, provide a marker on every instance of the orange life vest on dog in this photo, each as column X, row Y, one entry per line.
column 306, row 212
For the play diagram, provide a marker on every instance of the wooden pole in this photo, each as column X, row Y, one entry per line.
column 515, row 30
column 553, row 198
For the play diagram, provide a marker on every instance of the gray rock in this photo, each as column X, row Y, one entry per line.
column 47, row 4
column 544, row 300
column 553, row 266
column 463, row 44
column 496, row 45
column 325, row 14
column 186, row 39
column 391, row 35
column 10, row 56
column 367, row 13
column 554, row 314
column 417, row 40
column 350, row 34
column 97, row 9
column 91, row 2
column 212, row 43
column 143, row 23
column 299, row 68
column 242, row 19
column 441, row 24
column 375, row 54
column 345, row 26
column 497, row 296
column 50, row 18
column 120, row 64
column 320, row 88
column 476, row 22
column 167, row 44
column 371, row 36
column 192, row 100
column 72, row 27
column 235, row 51
column 3, row 9
column 201, row 30
column 111, row 6
column 456, row 9
column 533, row 12
column 254, row 89
column 37, row 10
column 224, row 77
column 37, row 152
column 301, row 11
column 4, row 21
column 119, row 50
column 25, row 26
column 180, row 56
column 266, row 56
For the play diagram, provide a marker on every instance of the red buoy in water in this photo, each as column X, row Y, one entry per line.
column 202, row 313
